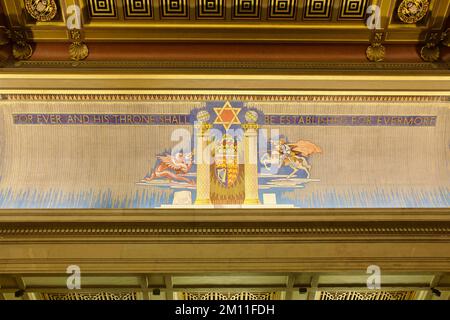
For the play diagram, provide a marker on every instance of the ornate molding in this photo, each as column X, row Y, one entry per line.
column 103, row 295
column 78, row 50
column 367, row 295
column 250, row 126
column 20, row 48
column 221, row 295
column 431, row 52
column 41, row 10
column 290, row 65
column 376, row 51
column 215, row 97
column 436, row 231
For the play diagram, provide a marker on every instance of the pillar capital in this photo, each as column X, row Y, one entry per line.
column 203, row 127
column 250, row 126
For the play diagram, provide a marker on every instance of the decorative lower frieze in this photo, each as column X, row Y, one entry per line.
column 366, row 295
column 272, row 65
column 104, row 295
column 212, row 97
column 216, row 295
column 438, row 231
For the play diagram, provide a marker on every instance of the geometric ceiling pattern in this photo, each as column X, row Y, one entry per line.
column 216, row 9
column 400, row 21
column 229, row 10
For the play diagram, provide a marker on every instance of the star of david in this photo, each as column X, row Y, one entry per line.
column 227, row 115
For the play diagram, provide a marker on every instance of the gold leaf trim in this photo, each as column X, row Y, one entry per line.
column 291, row 65
column 412, row 11
column 22, row 51
column 430, row 52
column 78, row 51
column 376, row 52
column 41, row 10
column 220, row 97
column 215, row 230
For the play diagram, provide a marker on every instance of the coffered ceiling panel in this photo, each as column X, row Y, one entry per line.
column 279, row 20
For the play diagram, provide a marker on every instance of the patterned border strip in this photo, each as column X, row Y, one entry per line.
column 136, row 230
column 301, row 65
column 220, row 97
column 102, row 295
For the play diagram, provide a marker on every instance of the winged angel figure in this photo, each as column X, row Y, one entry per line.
column 172, row 167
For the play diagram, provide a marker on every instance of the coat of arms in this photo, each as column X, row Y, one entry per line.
column 226, row 160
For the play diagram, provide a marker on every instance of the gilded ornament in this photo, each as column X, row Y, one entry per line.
column 250, row 126
column 77, row 49
column 412, row 11
column 430, row 52
column 376, row 52
column 41, row 10
column 22, row 51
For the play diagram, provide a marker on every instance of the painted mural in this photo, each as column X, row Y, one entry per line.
column 238, row 163
column 224, row 153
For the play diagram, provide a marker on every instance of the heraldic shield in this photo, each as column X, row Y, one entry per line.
column 226, row 161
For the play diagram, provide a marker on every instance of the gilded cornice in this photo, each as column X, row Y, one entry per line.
column 351, row 231
column 260, row 65
column 232, row 224
column 215, row 97
column 167, row 241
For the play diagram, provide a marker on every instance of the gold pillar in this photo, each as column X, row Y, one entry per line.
column 203, row 164
column 251, row 163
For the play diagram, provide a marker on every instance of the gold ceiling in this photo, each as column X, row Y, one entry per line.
column 285, row 20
